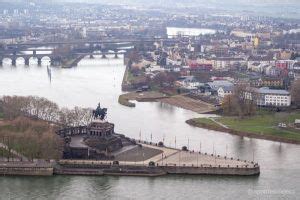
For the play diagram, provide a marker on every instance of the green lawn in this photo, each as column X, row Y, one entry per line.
column 266, row 124
column 207, row 121
column 130, row 77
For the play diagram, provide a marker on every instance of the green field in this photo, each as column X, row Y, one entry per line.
column 130, row 76
column 265, row 123
column 207, row 121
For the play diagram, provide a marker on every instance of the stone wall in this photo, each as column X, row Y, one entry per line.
column 26, row 171
column 212, row 170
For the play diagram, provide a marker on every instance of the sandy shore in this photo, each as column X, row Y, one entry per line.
column 188, row 103
column 181, row 101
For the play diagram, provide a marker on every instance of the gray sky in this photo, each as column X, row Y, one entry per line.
column 183, row 1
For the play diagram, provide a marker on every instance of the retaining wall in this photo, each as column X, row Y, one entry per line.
column 26, row 171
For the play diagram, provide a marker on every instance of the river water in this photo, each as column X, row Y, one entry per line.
column 172, row 31
column 99, row 80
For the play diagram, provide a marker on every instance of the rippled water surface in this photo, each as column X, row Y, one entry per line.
column 97, row 80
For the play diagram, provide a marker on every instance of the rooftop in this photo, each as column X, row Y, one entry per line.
column 266, row 90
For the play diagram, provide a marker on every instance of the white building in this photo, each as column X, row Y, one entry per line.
column 224, row 90
column 270, row 97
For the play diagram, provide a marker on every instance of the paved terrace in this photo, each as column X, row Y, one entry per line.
column 174, row 157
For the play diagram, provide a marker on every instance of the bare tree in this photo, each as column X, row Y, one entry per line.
column 242, row 102
column 295, row 92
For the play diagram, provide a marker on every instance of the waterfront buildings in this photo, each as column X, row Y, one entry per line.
column 269, row 97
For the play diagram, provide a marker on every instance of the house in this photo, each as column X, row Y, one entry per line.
column 255, row 67
column 272, row 71
column 215, row 85
column 189, row 83
column 224, row 90
column 226, row 63
column 297, row 123
column 296, row 67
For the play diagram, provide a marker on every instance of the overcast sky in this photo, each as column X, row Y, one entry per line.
column 178, row 1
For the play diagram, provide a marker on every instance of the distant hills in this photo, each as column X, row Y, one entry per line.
column 275, row 8
column 171, row 2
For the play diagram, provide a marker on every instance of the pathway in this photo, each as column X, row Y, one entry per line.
column 22, row 157
column 219, row 123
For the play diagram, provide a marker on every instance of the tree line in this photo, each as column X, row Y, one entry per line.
column 27, row 129
column 44, row 109
column 31, row 138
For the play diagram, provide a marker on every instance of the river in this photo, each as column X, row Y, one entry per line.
column 172, row 31
column 99, row 80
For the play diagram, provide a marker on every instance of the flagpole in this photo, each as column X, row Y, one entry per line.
column 140, row 135
column 200, row 146
column 175, row 142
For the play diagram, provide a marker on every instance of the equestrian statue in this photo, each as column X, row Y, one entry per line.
column 100, row 113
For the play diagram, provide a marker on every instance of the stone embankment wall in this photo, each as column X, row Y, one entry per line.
column 26, row 171
column 127, row 170
column 212, row 170
column 142, row 170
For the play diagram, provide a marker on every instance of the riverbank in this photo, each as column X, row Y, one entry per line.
column 180, row 101
column 188, row 103
column 150, row 96
column 260, row 127
column 72, row 62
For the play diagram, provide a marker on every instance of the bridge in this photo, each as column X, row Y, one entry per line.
column 56, row 58
column 109, row 41
column 77, row 49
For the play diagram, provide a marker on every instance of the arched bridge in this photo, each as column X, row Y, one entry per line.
column 42, row 53
column 76, row 48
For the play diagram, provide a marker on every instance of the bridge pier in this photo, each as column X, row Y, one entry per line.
column 39, row 61
column 116, row 55
column 104, row 55
column 1, row 62
column 13, row 61
column 91, row 56
column 55, row 62
column 34, row 53
column 26, row 61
